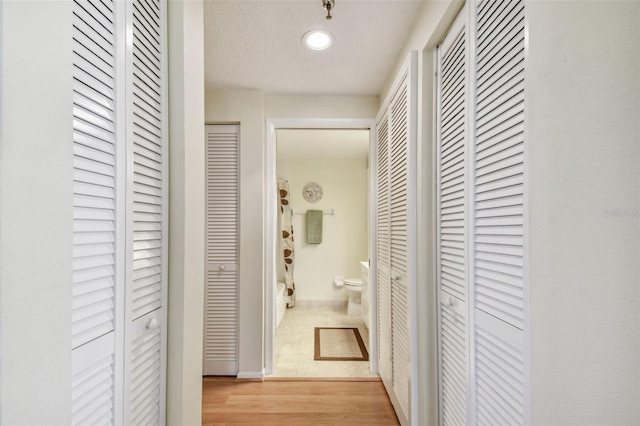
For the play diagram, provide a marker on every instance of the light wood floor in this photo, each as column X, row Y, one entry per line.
column 308, row 403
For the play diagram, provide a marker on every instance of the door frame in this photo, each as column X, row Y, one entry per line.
column 270, row 205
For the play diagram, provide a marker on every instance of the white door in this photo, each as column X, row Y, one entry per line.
column 221, row 288
column 481, row 242
column 98, row 276
column 147, row 204
column 499, row 245
column 383, row 250
column 120, row 201
column 401, row 186
column 395, row 241
column 452, row 228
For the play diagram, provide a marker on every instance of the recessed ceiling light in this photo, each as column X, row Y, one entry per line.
column 318, row 39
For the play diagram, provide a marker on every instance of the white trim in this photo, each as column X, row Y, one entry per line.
column 373, row 244
column 128, row 146
column 122, row 181
column 470, row 198
column 164, row 332
column 435, row 200
column 269, row 331
column 525, row 234
column 272, row 125
column 251, row 375
column 412, row 202
column 436, row 227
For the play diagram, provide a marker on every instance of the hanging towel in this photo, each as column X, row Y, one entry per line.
column 314, row 226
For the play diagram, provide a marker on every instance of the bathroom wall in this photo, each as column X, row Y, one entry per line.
column 345, row 235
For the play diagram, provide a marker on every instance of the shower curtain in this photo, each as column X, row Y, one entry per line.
column 286, row 254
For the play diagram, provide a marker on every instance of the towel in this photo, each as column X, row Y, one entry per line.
column 314, row 226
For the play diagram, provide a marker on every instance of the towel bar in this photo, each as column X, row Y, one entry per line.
column 331, row 212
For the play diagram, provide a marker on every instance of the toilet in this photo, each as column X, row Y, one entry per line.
column 353, row 287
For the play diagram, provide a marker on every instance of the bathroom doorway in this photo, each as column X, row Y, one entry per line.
column 319, row 177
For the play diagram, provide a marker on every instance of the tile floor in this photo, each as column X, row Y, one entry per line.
column 295, row 344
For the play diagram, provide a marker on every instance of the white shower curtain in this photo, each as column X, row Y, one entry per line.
column 286, row 256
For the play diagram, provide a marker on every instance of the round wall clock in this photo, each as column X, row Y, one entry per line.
column 312, row 192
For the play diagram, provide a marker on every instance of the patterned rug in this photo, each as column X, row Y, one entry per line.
column 339, row 344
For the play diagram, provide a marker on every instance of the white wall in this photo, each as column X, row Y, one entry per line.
column 36, row 213
column 344, row 240
column 246, row 107
column 429, row 28
column 290, row 106
column 583, row 82
column 186, row 213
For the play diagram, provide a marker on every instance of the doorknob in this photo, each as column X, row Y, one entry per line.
column 451, row 302
column 221, row 267
column 152, row 323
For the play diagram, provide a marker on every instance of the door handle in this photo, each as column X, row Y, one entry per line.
column 221, row 268
column 152, row 323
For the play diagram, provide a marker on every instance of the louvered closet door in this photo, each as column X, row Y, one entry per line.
column 97, row 285
column 452, row 231
column 383, row 221
column 395, row 233
column 498, row 190
column 221, row 293
column 400, row 188
column 481, row 242
column 146, row 219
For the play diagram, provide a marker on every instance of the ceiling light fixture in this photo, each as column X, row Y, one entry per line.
column 318, row 39
column 328, row 5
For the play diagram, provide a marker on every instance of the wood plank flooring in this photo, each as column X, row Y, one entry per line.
column 225, row 402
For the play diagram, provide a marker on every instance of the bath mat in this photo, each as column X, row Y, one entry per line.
column 339, row 344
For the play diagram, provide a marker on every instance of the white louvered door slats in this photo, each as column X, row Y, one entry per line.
column 383, row 249
column 452, row 162
column 146, row 219
column 92, row 383
column 147, row 159
column 221, row 293
column 499, row 167
column 499, row 280
column 95, row 204
column 399, row 193
column 452, row 235
column 145, row 377
column 454, row 360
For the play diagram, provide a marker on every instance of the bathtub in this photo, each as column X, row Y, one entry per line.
column 281, row 305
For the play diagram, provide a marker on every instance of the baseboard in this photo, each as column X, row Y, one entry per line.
column 250, row 376
column 321, row 303
column 322, row 379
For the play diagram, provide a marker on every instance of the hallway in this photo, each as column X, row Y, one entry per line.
column 225, row 402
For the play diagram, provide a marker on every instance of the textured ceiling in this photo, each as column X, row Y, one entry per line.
column 256, row 44
column 293, row 144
